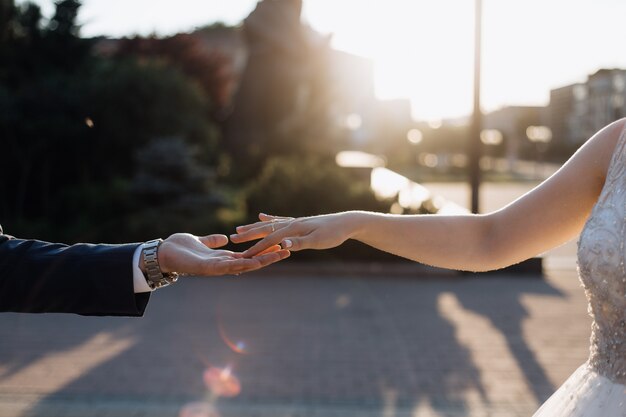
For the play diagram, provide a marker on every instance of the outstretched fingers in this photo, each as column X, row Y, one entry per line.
column 242, row 265
column 265, row 220
column 257, row 231
column 268, row 241
column 289, row 238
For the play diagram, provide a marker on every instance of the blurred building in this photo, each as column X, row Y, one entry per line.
column 512, row 123
column 567, row 106
column 351, row 83
column 577, row 111
column 605, row 97
column 370, row 122
column 396, row 112
column 393, row 122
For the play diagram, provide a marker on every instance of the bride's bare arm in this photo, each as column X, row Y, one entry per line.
column 549, row 215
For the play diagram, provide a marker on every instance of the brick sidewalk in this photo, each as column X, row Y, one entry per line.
column 307, row 346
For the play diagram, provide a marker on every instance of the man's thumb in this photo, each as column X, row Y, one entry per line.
column 214, row 241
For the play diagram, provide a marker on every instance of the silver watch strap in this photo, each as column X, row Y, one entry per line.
column 154, row 276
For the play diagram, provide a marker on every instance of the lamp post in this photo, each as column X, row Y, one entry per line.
column 475, row 144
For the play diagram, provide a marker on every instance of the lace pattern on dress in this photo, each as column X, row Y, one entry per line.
column 601, row 257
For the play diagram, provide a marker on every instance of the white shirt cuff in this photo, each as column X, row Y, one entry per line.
column 139, row 280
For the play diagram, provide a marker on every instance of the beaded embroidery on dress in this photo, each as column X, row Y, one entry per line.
column 598, row 388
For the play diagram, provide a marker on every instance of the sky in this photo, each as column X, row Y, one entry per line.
column 422, row 49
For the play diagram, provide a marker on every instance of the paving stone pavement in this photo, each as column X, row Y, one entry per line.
column 309, row 345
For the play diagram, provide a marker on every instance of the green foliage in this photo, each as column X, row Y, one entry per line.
column 131, row 103
column 180, row 191
column 209, row 68
column 168, row 170
column 43, row 142
column 304, row 186
column 78, row 136
column 148, row 222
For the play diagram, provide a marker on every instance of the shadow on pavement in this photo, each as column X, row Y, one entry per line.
column 374, row 343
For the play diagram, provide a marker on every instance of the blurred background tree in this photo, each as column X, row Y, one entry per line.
column 282, row 104
column 75, row 125
column 309, row 185
column 127, row 139
column 208, row 68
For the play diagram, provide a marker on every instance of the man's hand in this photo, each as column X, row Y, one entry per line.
column 196, row 255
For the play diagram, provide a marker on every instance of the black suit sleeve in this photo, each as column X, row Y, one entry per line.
column 41, row 277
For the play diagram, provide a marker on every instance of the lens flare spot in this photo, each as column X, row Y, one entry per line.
column 342, row 301
column 221, row 382
column 239, row 346
column 89, row 122
column 198, row 409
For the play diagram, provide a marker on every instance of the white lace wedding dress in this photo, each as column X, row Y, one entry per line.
column 598, row 388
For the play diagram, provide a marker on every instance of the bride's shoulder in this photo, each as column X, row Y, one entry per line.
column 617, row 128
column 612, row 139
column 610, row 134
column 597, row 153
column 593, row 159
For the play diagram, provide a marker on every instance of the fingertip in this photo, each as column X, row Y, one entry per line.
column 286, row 244
column 253, row 251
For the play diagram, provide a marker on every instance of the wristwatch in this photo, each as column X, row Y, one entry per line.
column 154, row 276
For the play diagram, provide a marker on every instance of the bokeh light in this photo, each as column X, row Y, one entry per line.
column 354, row 121
column 221, row 382
column 491, row 137
column 343, row 301
column 539, row 134
column 414, row 136
column 357, row 159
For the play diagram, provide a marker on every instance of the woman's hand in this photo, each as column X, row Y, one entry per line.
column 294, row 234
column 196, row 255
